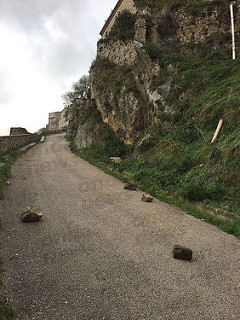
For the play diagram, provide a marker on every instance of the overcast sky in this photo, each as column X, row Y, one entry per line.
column 45, row 45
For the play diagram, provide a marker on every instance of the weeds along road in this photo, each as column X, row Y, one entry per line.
column 101, row 253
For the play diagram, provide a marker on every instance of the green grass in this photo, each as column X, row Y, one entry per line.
column 5, row 170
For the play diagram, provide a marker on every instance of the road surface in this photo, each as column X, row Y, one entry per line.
column 101, row 253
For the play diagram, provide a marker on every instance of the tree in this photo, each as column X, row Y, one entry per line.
column 80, row 89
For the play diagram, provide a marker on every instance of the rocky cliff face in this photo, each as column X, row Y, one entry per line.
column 85, row 122
column 120, row 98
column 131, row 80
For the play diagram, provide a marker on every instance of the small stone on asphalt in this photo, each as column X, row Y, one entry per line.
column 147, row 198
column 31, row 216
column 130, row 186
column 182, row 253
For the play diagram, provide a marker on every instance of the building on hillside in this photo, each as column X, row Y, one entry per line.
column 60, row 119
column 53, row 121
column 65, row 117
column 53, row 116
column 120, row 6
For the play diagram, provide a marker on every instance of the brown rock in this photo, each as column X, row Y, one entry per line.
column 147, row 198
column 116, row 159
column 31, row 216
column 182, row 253
column 130, row 186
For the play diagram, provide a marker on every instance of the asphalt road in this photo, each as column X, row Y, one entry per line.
column 101, row 253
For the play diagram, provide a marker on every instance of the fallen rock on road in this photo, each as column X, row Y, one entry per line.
column 182, row 253
column 130, row 186
column 31, row 216
column 147, row 198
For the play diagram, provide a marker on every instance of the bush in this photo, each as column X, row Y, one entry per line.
column 124, row 27
column 94, row 152
column 161, row 29
column 114, row 147
column 152, row 50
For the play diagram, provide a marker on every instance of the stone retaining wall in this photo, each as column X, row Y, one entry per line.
column 17, row 131
column 119, row 52
column 9, row 142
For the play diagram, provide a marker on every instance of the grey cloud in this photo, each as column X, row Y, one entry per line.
column 79, row 21
column 61, row 59
column 27, row 14
column 66, row 60
column 5, row 96
column 5, row 92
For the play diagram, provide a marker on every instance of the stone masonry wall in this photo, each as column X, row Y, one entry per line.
column 9, row 142
column 185, row 26
column 119, row 52
column 18, row 131
column 180, row 26
column 197, row 28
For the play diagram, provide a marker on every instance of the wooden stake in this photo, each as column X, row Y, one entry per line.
column 233, row 33
column 220, row 123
